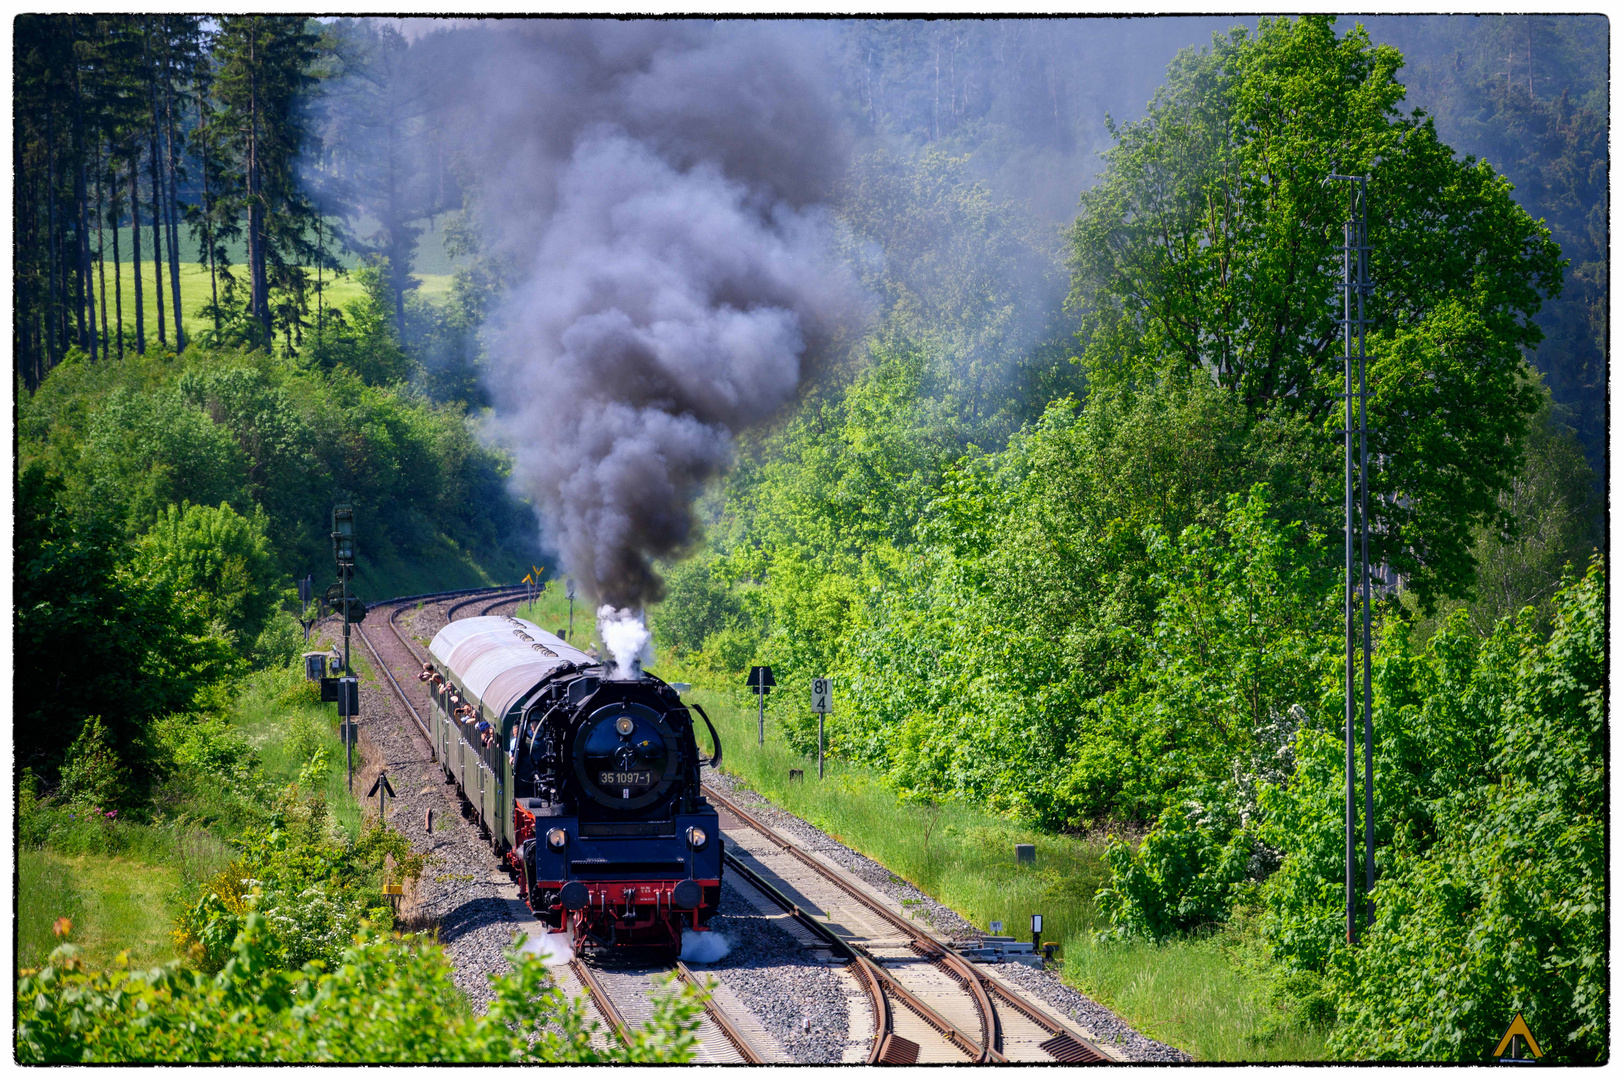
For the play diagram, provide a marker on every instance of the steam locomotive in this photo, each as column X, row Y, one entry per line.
column 585, row 779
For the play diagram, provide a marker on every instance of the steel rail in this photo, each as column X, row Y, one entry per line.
column 987, row 1049
column 876, row 978
column 1063, row 1045
column 790, row 848
column 875, row 988
column 751, row 1055
column 508, row 592
column 398, row 605
column 400, row 693
column 498, row 602
column 958, row 968
column 401, row 604
column 980, row 1052
column 601, row 999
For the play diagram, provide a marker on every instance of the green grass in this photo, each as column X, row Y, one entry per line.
column 117, row 904
column 196, row 293
column 1208, row 996
column 43, row 896
column 124, row 883
column 957, row 853
column 551, row 612
column 277, row 718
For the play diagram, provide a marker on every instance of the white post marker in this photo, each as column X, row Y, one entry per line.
column 822, row 703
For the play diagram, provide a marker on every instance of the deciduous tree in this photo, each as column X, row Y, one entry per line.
column 1212, row 243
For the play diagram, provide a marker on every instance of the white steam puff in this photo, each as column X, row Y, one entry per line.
column 654, row 188
column 705, row 948
column 553, row 949
column 626, row 637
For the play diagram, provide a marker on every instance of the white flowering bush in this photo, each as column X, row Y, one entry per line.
column 308, row 923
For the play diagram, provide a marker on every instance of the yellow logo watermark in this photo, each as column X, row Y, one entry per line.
column 1517, row 1040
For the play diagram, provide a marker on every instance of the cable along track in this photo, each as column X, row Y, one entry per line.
column 620, row 995
column 948, row 1010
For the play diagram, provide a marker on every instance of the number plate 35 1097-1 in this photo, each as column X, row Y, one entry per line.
column 622, row 779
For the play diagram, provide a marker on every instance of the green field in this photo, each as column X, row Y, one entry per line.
column 196, row 293
column 117, row 904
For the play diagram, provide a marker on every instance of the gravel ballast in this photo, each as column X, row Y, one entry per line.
column 464, row 890
column 788, row 988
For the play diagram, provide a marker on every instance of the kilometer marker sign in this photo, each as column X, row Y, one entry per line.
column 822, row 702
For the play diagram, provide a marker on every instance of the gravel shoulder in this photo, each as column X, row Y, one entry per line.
column 465, row 892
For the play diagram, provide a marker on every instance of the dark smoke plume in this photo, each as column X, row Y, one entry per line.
column 655, row 186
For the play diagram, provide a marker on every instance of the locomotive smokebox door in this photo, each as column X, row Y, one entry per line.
column 626, row 756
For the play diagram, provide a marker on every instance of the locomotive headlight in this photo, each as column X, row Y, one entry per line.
column 625, row 725
column 696, row 837
column 556, row 839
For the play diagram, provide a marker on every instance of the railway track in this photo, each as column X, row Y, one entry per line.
column 621, row 996
column 925, row 1004
column 493, row 598
column 931, row 1005
column 624, row 993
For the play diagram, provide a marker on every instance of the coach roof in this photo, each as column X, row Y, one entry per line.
column 497, row 660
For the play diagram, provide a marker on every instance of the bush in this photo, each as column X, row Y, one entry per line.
column 146, row 451
column 92, row 775
column 698, row 605
column 81, row 829
column 1490, row 832
column 279, row 644
column 1185, row 875
column 78, row 596
column 306, row 923
column 220, row 557
column 388, row 999
column 199, row 745
column 1506, row 912
column 312, row 887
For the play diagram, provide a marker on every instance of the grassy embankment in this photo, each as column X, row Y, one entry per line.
column 123, row 883
column 1208, row 996
column 447, row 567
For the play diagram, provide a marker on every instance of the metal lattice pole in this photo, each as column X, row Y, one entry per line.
column 1349, row 242
column 1364, row 287
column 1355, row 285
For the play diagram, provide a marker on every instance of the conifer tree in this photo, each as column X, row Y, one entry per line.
column 260, row 75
